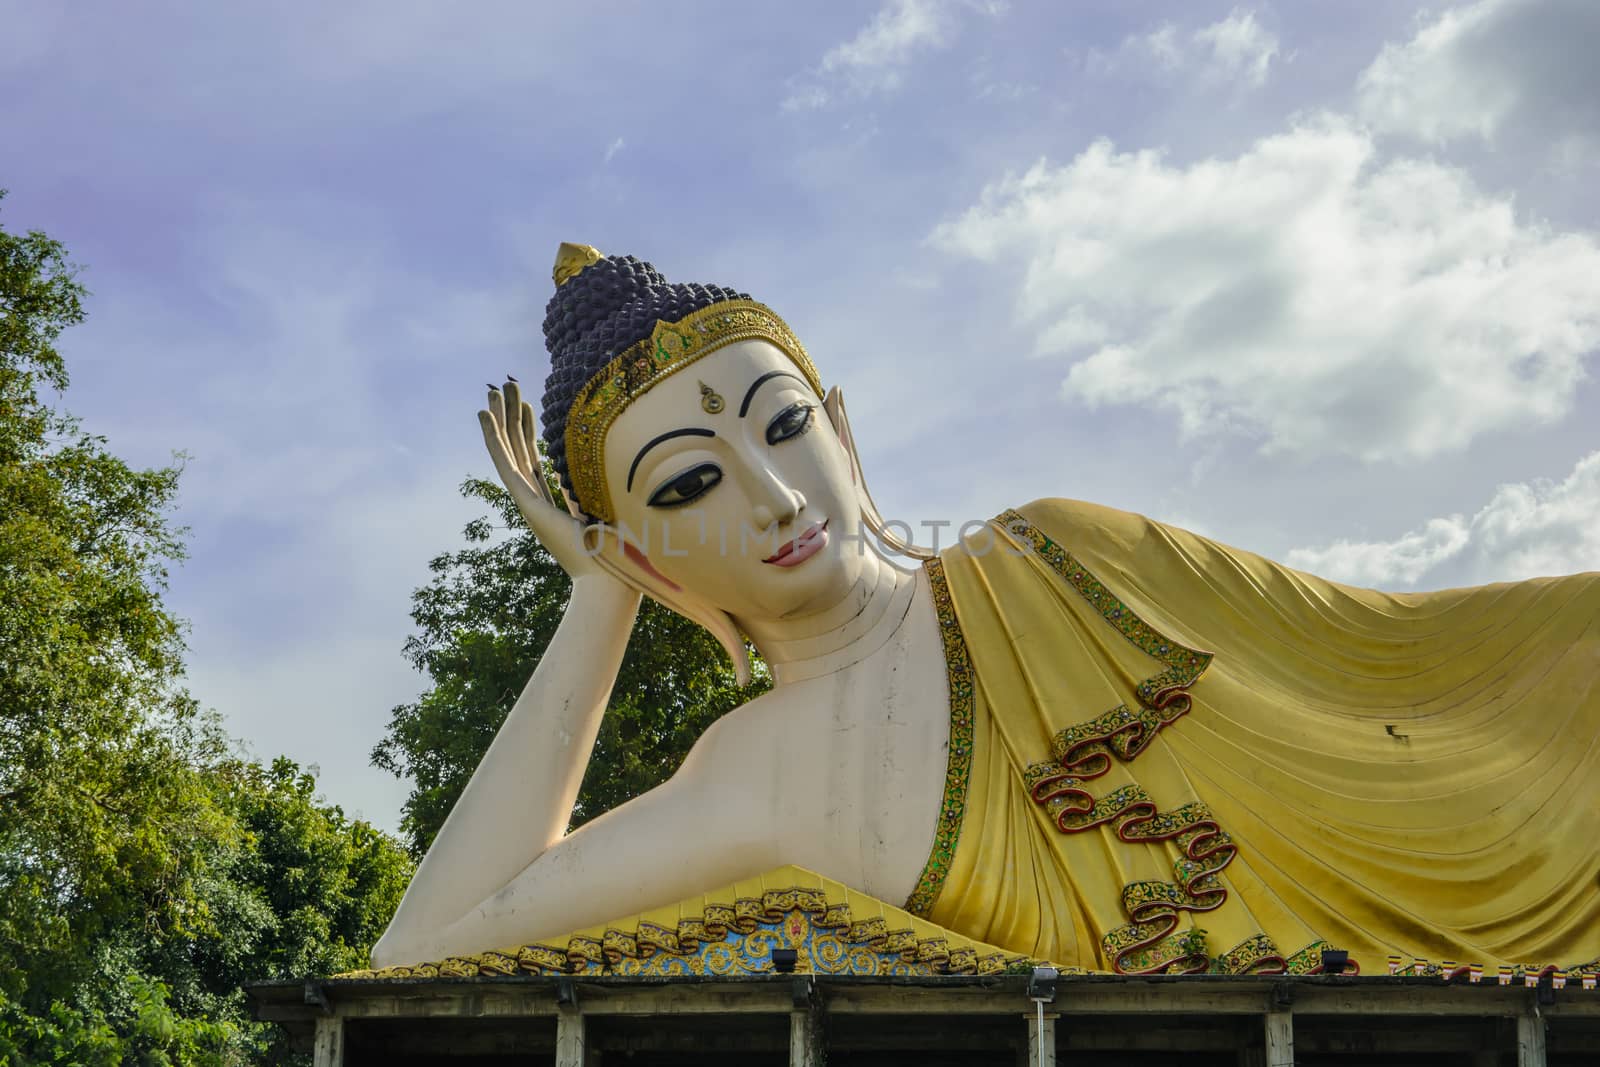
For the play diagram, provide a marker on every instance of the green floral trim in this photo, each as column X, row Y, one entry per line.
column 1153, row 948
column 1257, row 954
column 1309, row 960
column 1184, row 665
column 1084, row 751
column 1075, row 809
column 1151, row 942
column 958, row 666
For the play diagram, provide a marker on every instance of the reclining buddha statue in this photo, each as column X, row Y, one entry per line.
column 1077, row 735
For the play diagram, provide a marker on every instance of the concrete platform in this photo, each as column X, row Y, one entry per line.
column 807, row 1020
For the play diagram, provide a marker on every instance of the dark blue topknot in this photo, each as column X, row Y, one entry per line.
column 596, row 316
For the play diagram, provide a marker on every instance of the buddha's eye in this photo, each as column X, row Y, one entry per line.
column 792, row 421
column 690, row 485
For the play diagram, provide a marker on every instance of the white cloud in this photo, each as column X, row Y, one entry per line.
column 901, row 30
column 1484, row 68
column 1527, row 529
column 992, row 80
column 613, row 148
column 1236, row 50
column 328, row 437
column 1303, row 293
column 1384, row 564
column 876, row 58
column 806, row 98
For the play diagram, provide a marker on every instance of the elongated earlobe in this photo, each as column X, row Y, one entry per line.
column 572, row 505
column 626, row 564
column 871, row 518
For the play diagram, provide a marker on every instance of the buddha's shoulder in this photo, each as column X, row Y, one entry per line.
column 1063, row 519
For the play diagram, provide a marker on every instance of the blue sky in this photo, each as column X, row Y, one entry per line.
column 1319, row 280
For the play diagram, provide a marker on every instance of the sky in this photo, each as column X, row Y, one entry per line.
column 1321, row 281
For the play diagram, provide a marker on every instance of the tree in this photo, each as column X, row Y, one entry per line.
column 298, row 890
column 289, row 888
column 87, row 767
column 484, row 621
column 145, row 870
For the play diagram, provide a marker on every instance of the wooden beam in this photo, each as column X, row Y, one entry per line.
column 571, row 1038
column 806, row 1046
column 327, row 1048
column 1090, row 1000
column 1280, row 1039
column 1041, row 1037
column 764, row 999
column 999, row 997
column 1437, row 999
column 1530, row 1039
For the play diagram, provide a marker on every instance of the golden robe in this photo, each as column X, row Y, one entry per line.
column 1167, row 754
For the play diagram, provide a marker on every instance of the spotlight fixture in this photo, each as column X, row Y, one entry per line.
column 1042, row 984
column 1334, row 960
column 784, row 959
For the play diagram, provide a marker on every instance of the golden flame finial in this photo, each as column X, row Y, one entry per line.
column 571, row 259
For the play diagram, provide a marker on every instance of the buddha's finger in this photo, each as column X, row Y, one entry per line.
column 536, row 473
column 529, row 492
column 495, row 441
column 497, row 410
column 552, row 525
column 500, row 447
column 514, row 431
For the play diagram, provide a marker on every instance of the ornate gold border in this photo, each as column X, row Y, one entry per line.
column 963, row 699
column 670, row 347
column 825, row 933
column 1184, row 665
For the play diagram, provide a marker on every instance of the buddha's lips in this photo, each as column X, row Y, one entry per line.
column 801, row 548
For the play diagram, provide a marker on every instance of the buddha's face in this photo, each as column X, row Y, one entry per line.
column 728, row 481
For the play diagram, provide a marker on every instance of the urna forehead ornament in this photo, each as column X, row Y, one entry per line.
column 615, row 327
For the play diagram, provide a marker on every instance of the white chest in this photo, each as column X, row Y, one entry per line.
column 879, row 745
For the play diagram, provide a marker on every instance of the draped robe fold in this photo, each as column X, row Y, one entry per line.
column 1168, row 754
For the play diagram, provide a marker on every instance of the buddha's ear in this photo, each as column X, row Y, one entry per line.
column 871, row 518
column 572, row 504
column 624, row 562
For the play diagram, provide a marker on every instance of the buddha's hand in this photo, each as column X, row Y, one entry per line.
column 512, row 437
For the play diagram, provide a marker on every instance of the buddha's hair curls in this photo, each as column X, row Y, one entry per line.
column 593, row 318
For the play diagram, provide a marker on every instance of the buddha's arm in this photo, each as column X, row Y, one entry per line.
column 520, row 798
column 742, row 803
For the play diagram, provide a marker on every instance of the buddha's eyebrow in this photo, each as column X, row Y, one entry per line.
column 751, row 392
column 692, row 431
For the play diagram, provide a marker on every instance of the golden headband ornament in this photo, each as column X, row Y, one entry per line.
column 670, row 348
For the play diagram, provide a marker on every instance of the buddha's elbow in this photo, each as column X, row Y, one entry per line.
column 395, row 949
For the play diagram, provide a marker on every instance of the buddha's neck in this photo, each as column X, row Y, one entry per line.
column 863, row 620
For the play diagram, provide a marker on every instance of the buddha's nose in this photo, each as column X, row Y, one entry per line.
column 785, row 504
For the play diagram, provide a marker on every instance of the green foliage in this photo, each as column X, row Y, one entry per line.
column 321, row 886
column 88, row 833
column 287, row 887
column 484, row 621
column 145, row 872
